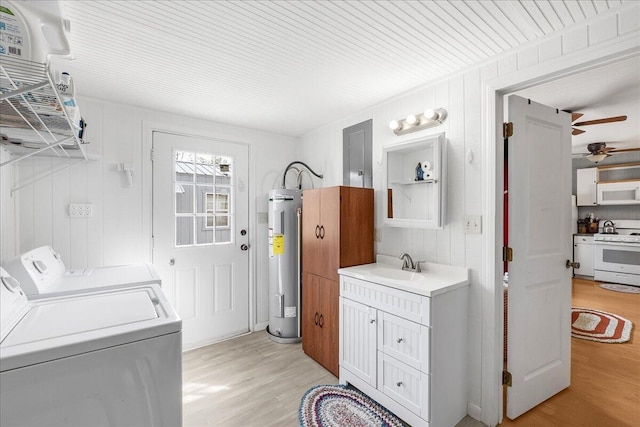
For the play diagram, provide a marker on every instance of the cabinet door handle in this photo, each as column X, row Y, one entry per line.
column 399, row 383
column 322, row 231
column 315, row 318
column 399, row 340
column 317, row 231
column 372, row 320
column 321, row 322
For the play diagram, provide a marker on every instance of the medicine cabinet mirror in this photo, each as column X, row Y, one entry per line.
column 415, row 177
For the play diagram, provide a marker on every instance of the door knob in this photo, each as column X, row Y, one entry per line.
column 570, row 264
column 244, row 247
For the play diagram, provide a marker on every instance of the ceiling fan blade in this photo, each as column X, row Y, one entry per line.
column 576, row 131
column 575, row 116
column 600, row 121
column 623, row 150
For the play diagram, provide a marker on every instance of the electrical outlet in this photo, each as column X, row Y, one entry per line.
column 78, row 210
column 473, row 224
column 378, row 235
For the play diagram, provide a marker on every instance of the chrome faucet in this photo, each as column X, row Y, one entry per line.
column 408, row 264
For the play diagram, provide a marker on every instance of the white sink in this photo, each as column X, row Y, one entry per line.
column 396, row 274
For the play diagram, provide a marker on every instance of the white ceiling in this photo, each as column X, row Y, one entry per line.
column 608, row 91
column 292, row 66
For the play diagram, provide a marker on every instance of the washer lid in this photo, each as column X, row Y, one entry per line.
column 55, row 318
column 59, row 327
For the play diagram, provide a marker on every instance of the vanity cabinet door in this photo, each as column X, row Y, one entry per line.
column 358, row 339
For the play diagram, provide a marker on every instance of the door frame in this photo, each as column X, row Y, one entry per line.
column 493, row 93
column 148, row 127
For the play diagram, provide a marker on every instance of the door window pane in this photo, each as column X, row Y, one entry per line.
column 184, row 230
column 184, row 198
column 204, row 188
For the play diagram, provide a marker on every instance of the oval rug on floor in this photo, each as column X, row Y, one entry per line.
column 600, row 326
column 338, row 405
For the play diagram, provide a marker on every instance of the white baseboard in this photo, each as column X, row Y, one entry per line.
column 474, row 411
column 260, row 326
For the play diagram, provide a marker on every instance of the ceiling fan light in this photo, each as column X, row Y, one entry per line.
column 595, row 158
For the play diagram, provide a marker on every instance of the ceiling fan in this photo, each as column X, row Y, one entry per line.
column 576, row 116
column 599, row 151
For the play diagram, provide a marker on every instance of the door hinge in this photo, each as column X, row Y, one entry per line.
column 507, row 129
column 507, row 254
column 506, row 378
column 152, row 155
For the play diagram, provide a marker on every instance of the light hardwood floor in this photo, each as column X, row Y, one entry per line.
column 605, row 378
column 252, row 381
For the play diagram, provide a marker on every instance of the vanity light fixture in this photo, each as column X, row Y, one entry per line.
column 413, row 123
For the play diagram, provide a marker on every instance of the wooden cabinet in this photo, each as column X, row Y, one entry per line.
column 405, row 350
column 337, row 231
column 320, row 320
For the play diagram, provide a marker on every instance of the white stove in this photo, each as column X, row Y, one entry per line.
column 617, row 256
column 622, row 238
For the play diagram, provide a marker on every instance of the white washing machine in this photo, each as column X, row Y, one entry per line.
column 42, row 273
column 102, row 358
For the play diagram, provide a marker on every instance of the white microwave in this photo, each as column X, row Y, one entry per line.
column 619, row 193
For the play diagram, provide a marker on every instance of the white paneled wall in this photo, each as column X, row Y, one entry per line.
column 8, row 244
column 614, row 34
column 119, row 231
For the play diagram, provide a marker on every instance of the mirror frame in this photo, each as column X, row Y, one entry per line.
column 439, row 142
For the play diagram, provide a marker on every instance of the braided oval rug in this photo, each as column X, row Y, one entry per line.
column 339, row 406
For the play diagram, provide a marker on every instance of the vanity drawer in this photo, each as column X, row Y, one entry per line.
column 404, row 340
column 402, row 303
column 404, row 384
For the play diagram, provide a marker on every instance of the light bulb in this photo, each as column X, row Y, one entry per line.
column 411, row 119
column 394, row 125
column 431, row 114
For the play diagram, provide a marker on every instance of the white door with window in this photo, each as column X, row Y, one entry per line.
column 539, row 312
column 200, row 234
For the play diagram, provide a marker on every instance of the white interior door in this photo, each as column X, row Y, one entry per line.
column 539, row 312
column 200, row 217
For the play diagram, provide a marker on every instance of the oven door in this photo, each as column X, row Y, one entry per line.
column 617, row 257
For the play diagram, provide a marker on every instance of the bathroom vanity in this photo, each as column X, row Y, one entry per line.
column 403, row 339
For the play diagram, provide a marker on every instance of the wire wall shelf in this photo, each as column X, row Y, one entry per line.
column 33, row 118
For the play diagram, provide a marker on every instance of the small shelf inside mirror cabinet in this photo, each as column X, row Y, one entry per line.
column 424, row 181
column 408, row 165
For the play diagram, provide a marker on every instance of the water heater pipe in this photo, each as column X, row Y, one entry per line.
column 284, row 176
